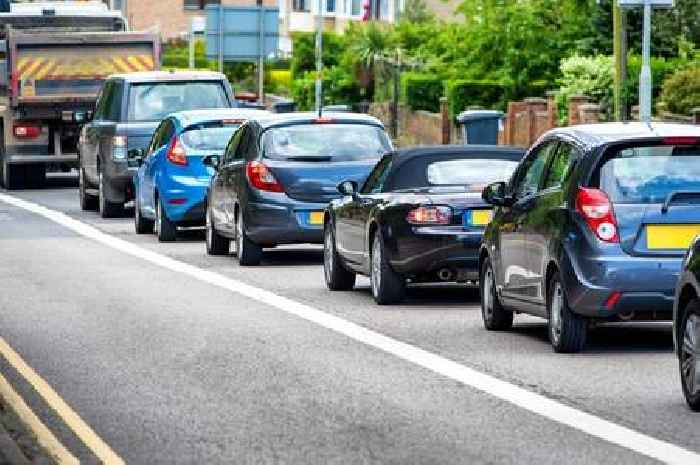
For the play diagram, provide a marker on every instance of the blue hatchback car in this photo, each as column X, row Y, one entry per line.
column 593, row 226
column 170, row 186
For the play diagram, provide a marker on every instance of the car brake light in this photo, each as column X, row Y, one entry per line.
column 27, row 131
column 260, row 177
column 430, row 215
column 596, row 209
column 119, row 144
column 176, row 153
column 324, row 120
column 681, row 141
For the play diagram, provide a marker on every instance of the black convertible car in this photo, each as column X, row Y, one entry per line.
column 418, row 217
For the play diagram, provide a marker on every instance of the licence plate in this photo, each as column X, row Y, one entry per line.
column 477, row 217
column 315, row 218
column 671, row 236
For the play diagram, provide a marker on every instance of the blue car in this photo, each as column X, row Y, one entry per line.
column 592, row 227
column 171, row 183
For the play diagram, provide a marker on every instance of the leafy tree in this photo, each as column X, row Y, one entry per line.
column 416, row 11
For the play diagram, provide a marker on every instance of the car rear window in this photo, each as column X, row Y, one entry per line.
column 325, row 142
column 154, row 101
column 208, row 136
column 473, row 174
column 649, row 173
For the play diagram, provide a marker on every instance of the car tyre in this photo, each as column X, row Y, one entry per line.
column 338, row 278
column 107, row 209
column 87, row 202
column 496, row 317
column 13, row 176
column 216, row 244
column 165, row 229
column 141, row 224
column 689, row 354
column 248, row 252
column 567, row 330
column 388, row 287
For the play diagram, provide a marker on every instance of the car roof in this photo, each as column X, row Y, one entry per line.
column 282, row 119
column 607, row 133
column 156, row 76
column 190, row 117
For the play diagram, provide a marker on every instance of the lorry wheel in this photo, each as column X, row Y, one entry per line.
column 107, row 209
column 87, row 201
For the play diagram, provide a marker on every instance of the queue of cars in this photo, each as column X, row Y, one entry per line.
column 590, row 225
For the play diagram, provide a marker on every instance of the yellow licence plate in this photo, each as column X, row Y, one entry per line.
column 671, row 236
column 480, row 217
column 316, row 218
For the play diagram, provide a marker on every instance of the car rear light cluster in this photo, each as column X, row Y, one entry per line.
column 26, row 131
column 260, row 177
column 119, row 147
column 176, row 153
column 596, row 209
column 430, row 215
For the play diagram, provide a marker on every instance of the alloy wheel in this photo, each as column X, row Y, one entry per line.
column 487, row 294
column 555, row 317
column 376, row 277
column 328, row 252
column 159, row 218
column 689, row 355
column 239, row 233
column 209, row 231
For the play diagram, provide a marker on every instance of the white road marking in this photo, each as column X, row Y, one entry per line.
column 527, row 400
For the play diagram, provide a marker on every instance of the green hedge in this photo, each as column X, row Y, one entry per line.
column 681, row 91
column 421, row 91
column 462, row 94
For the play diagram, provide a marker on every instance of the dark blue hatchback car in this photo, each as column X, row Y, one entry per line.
column 592, row 226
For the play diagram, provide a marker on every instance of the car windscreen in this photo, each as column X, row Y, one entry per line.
column 470, row 175
column 325, row 142
column 208, row 136
column 154, row 101
column 648, row 174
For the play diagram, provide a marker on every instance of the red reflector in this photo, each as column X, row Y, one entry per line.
column 26, row 131
column 177, row 201
column 612, row 300
column 681, row 141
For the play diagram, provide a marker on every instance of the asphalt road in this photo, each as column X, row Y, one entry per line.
column 167, row 369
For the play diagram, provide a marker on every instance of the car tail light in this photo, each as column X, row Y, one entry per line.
column 430, row 215
column 595, row 207
column 260, row 177
column 27, row 131
column 119, row 147
column 176, row 153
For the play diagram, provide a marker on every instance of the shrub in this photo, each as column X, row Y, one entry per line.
column 304, row 51
column 591, row 76
column 278, row 81
column 660, row 69
column 421, row 91
column 462, row 94
column 339, row 87
column 681, row 91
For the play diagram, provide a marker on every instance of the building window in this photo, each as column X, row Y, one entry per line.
column 300, row 5
column 356, row 7
column 200, row 4
column 330, row 6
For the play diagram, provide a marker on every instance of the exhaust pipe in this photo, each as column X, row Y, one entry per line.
column 445, row 274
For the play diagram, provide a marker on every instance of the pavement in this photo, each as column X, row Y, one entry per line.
column 165, row 368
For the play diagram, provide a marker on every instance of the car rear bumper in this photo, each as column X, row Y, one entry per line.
column 283, row 222
column 185, row 203
column 646, row 286
column 431, row 249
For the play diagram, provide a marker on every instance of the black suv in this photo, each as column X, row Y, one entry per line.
column 129, row 108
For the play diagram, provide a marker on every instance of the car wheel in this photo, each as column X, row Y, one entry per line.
column 164, row 228
column 567, row 330
column 338, row 278
column 495, row 316
column 248, row 252
column 388, row 287
column 13, row 176
column 107, row 209
column 216, row 244
column 141, row 224
column 87, row 202
column 689, row 355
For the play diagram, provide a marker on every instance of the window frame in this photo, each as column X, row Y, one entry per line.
column 541, row 149
column 384, row 164
column 573, row 155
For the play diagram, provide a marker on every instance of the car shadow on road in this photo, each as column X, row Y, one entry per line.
column 284, row 257
column 61, row 181
column 438, row 296
column 652, row 338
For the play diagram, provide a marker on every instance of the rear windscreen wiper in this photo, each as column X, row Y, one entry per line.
column 675, row 194
column 309, row 158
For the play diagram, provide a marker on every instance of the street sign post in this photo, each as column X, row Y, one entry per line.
column 645, row 75
column 319, row 58
column 242, row 34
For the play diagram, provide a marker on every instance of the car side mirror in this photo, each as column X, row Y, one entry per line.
column 495, row 194
column 212, row 160
column 348, row 188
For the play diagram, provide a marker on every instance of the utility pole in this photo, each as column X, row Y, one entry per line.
column 319, row 58
column 645, row 76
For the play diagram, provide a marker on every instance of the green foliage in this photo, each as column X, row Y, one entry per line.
column 660, row 68
column 463, row 94
column 681, row 91
column 304, row 51
column 421, row 91
column 176, row 55
column 590, row 76
column 417, row 11
column 278, row 81
column 339, row 87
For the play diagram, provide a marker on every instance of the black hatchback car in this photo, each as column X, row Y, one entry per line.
column 278, row 174
column 418, row 217
column 592, row 227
